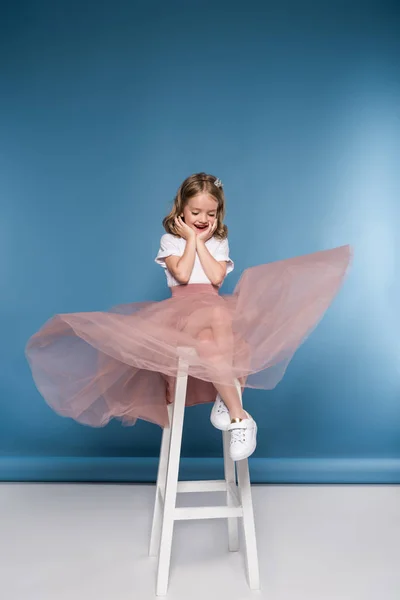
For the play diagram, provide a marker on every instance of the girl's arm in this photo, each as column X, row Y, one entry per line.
column 214, row 269
column 181, row 267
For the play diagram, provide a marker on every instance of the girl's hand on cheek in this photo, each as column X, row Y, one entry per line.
column 207, row 234
column 183, row 230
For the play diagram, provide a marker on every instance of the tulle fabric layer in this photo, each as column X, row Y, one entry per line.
column 123, row 363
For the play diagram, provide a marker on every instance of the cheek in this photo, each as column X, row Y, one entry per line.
column 186, row 215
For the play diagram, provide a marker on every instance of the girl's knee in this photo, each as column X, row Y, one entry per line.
column 220, row 316
column 206, row 345
column 206, row 335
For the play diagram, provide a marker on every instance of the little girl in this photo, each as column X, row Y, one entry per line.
column 123, row 363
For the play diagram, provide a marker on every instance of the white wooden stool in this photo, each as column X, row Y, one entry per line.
column 239, row 501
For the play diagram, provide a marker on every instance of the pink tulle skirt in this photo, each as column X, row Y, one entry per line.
column 123, row 363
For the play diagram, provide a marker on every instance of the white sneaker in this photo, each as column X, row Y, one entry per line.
column 220, row 415
column 243, row 438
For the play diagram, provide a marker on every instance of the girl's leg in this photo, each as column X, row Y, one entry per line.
column 212, row 327
column 218, row 320
column 228, row 393
column 230, row 396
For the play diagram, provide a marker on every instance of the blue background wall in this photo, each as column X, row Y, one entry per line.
column 104, row 109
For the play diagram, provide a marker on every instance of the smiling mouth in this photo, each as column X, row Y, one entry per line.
column 201, row 226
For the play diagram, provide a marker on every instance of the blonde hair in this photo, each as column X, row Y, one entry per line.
column 193, row 185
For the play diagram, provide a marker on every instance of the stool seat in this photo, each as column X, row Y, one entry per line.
column 238, row 493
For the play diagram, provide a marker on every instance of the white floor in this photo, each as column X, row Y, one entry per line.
column 89, row 542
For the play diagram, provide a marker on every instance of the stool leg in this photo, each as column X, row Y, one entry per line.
column 242, row 468
column 171, row 483
column 230, row 477
column 248, row 524
column 160, row 487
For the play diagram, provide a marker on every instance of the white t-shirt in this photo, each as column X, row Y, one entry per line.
column 175, row 246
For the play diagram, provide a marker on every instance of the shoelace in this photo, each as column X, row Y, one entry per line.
column 221, row 407
column 238, row 435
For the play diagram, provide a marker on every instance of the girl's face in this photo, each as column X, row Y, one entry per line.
column 200, row 211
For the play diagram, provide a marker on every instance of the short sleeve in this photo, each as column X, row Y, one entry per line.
column 222, row 254
column 168, row 247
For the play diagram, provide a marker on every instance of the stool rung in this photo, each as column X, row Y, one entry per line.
column 207, row 512
column 215, row 485
column 205, row 486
